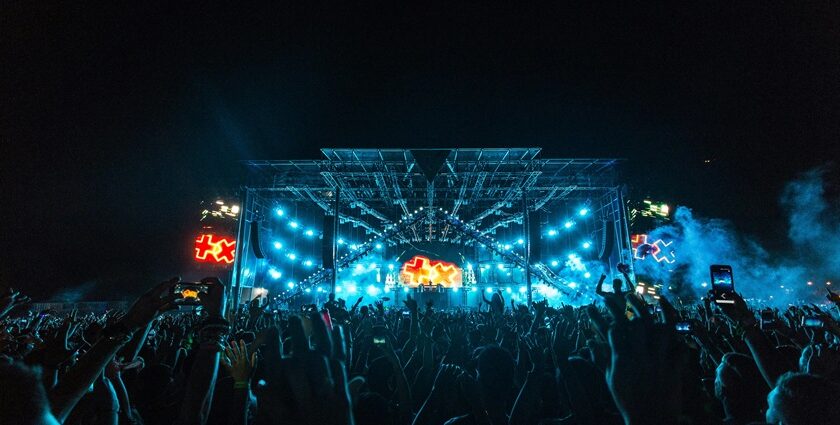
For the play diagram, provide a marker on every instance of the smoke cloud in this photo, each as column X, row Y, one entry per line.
column 777, row 278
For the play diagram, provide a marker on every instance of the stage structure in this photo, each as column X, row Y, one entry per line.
column 444, row 223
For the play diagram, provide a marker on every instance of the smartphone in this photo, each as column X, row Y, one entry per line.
column 683, row 327
column 190, row 293
column 723, row 286
column 812, row 322
column 768, row 320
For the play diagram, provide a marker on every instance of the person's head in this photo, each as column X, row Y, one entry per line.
column 495, row 370
column 801, row 398
column 617, row 284
column 23, row 399
column 740, row 387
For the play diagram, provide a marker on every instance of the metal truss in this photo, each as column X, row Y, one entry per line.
column 388, row 184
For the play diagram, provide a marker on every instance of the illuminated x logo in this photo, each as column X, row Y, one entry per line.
column 420, row 270
column 642, row 248
column 214, row 249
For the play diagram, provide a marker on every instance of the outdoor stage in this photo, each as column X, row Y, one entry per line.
column 446, row 225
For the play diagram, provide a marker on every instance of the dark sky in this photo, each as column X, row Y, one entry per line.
column 117, row 121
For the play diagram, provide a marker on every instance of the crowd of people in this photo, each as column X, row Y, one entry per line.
column 618, row 361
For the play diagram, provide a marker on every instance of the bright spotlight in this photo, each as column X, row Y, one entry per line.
column 234, row 209
column 372, row 290
column 469, row 266
column 552, row 232
column 508, row 247
column 810, row 283
column 489, row 290
column 704, row 284
column 310, row 232
column 274, row 273
column 523, row 289
column 307, row 263
column 360, row 267
column 405, row 288
column 294, row 224
column 292, row 256
column 280, row 212
column 456, row 289
column 508, row 290
column 378, row 246
column 307, row 290
column 554, row 263
column 583, row 212
column 246, row 272
column 587, row 275
column 290, row 284
column 587, row 245
column 572, row 285
column 572, row 256
column 338, row 289
column 501, row 266
column 569, row 224
column 354, row 247
column 340, row 241
column 278, row 245
column 520, row 241
column 351, row 288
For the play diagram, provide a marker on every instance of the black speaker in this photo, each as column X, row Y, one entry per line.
column 535, row 236
column 327, row 257
column 255, row 239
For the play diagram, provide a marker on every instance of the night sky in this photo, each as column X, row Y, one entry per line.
column 115, row 122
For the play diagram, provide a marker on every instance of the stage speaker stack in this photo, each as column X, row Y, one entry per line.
column 327, row 258
column 255, row 239
column 535, row 236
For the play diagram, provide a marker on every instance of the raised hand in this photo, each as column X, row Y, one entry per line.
column 150, row 305
column 411, row 304
column 238, row 363
column 647, row 363
column 11, row 299
column 56, row 349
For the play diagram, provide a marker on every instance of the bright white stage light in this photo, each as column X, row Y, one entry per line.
column 294, row 224
column 587, row 275
column 569, row 224
column 501, row 266
column 583, row 212
column 359, row 267
column 278, row 245
column 351, row 288
column 587, row 245
column 523, row 289
column 390, row 267
column 307, row 263
column 274, row 273
column 554, row 263
column 520, row 241
column 310, row 232
column 572, row 285
column 292, row 256
column 552, row 232
column 280, row 212
column 489, row 290
column 290, row 284
column 378, row 246
column 508, row 290
column 372, row 290
column 405, row 288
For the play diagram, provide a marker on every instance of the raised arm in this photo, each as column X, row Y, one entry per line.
column 79, row 378
column 195, row 408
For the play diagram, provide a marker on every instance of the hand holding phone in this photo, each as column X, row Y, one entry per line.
column 190, row 292
column 723, row 285
column 683, row 327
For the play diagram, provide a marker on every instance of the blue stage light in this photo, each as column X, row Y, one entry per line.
column 310, row 232
column 274, row 273
column 387, row 289
column 552, row 232
column 523, row 289
column 378, row 246
column 501, row 266
column 340, row 241
column 572, row 285
column 390, row 267
column 292, row 256
column 568, row 224
column 587, row 275
column 307, row 290
column 405, row 288
column 520, row 241
column 351, row 288
column 307, row 263
column 587, row 245
column 372, row 290
column 359, row 267
column 554, row 263
column 338, row 289
column 583, row 212
column 473, row 289
column 489, row 290
column 290, row 284
column 508, row 247
column 294, row 224
column 280, row 212
column 508, row 290
column 278, row 245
